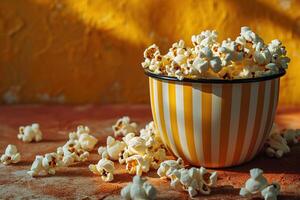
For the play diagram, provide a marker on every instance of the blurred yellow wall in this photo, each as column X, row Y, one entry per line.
column 78, row 51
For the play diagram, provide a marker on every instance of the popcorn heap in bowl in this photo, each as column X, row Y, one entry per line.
column 248, row 56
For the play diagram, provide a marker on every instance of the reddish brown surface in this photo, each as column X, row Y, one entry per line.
column 79, row 183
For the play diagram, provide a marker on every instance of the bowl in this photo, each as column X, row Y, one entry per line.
column 212, row 122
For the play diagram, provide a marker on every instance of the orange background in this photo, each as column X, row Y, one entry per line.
column 89, row 51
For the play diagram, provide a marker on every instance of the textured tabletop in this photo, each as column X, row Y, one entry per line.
column 77, row 182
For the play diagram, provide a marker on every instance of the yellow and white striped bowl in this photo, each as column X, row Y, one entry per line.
column 214, row 123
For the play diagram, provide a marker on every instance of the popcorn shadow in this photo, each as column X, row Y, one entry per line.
column 225, row 190
column 48, row 140
column 24, row 163
column 78, row 172
column 288, row 164
column 122, row 177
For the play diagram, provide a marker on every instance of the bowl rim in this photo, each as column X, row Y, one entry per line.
column 202, row 80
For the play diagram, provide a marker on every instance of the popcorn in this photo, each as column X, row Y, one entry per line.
column 210, row 59
column 291, row 136
column 45, row 165
column 259, row 184
column 105, row 168
column 10, row 155
column 113, row 149
column 276, row 145
column 167, row 167
column 72, row 152
column 86, row 141
column 193, row 180
column 271, row 192
column 37, row 167
column 30, row 133
column 138, row 164
column 138, row 189
column 123, row 126
column 255, row 184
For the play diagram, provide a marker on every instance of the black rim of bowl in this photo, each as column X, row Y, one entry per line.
column 202, row 80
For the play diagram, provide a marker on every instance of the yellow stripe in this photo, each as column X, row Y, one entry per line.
column 258, row 116
column 244, row 110
column 225, row 122
column 188, row 121
column 206, row 122
column 173, row 118
column 161, row 113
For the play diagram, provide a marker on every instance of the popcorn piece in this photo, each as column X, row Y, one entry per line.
column 51, row 162
column 138, row 164
column 276, row 145
column 105, row 168
column 114, row 148
column 11, row 155
column 37, row 168
column 45, row 165
column 72, row 152
column 271, row 192
column 138, row 189
column 291, row 136
column 255, row 184
column 123, row 126
column 87, row 142
column 167, row 167
column 30, row 133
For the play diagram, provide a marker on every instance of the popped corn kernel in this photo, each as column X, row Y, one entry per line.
column 30, row 133
column 138, row 189
column 10, row 155
column 255, row 184
column 208, row 57
column 138, row 164
column 271, row 192
column 167, row 167
column 87, row 141
column 37, row 168
column 276, row 145
column 105, row 168
column 124, row 126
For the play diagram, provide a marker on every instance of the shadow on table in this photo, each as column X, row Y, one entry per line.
column 288, row 164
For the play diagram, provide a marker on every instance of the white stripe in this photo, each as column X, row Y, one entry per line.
column 197, row 122
column 181, row 121
column 215, row 122
column 264, row 118
column 165, row 91
column 251, row 120
column 155, row 103
column 234, row 118
column 276, row 92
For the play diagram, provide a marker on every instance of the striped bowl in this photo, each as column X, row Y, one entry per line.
column 214, row 123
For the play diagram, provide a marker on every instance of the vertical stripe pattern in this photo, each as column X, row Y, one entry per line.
column 214, row 125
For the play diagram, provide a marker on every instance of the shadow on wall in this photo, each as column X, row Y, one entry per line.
column 90, row 51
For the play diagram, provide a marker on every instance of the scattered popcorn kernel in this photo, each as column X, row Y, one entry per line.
column 37, row 168
column 138, row 164
column 105, row 168
column 276, row 144
column 50, row 162
column 138, row 189
column 271, row 192
column 114, row 147
column 10, row 155
column 167, row 167
column 87, row 142
column 292, row 136
column 123, row 126
column 255, row 184
column 30, row 133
